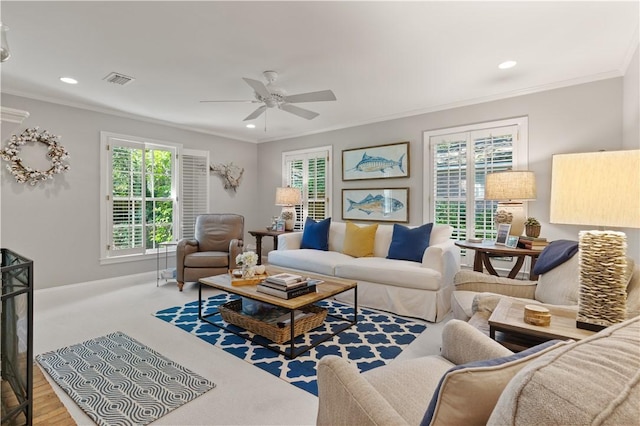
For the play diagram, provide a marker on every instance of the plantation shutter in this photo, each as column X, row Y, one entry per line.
column 461, row 162
column 195, row 189
column 126, row 214
column 308, row 170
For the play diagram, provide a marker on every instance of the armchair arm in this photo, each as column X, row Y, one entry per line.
column 463, row 343
column 289, row 241
column 483, row 283
column 347, row 398
column 235, row 248
column 183, row 248
column 444, row 258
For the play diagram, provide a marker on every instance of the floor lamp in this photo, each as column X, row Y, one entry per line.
column 510, row 188
column 600, row 189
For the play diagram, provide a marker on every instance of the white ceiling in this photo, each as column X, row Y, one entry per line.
column 381, row 59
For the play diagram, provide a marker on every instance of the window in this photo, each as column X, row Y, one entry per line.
column 460, row 159
column 309, row 171
column 140, row 182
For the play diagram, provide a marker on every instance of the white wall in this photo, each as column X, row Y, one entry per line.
column 631, row 130
column 57, row 224
column 581, row 118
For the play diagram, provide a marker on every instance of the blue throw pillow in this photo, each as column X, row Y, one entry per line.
column 316, row 234
column 409, row 244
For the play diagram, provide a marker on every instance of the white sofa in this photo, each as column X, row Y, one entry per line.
column 420, row 290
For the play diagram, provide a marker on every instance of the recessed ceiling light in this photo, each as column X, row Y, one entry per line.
column 68, row 80
column 507, row 64
column 251, row 126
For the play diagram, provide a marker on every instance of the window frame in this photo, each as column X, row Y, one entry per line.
column 305, row 154
column 520, row 161
column 107, row 140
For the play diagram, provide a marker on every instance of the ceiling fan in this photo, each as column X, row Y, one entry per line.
column 273, row 96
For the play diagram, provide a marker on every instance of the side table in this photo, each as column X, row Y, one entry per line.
column 166, row 246
column 266, row 233
column 484, row 252
column 508, row 318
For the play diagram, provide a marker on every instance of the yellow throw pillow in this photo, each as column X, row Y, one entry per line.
column 359, row 240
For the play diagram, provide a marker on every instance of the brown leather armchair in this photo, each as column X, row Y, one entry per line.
column 218, row 240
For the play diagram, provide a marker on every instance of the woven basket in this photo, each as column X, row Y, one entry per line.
column 231, row 313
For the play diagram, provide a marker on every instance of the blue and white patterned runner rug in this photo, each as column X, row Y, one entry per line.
column 376, row 340
column 118, row 381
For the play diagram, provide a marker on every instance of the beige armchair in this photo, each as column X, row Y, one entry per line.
column 593, row 381
column 218, row 240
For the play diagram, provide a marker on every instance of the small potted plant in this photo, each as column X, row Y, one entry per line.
column 532, row 227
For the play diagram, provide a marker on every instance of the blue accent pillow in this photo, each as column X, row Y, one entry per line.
column 409, row 243
column 531, row 353
column 316, row 234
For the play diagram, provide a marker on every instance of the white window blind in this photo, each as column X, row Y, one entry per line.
column 195, row 189
column 309, row 171
column 461, row 158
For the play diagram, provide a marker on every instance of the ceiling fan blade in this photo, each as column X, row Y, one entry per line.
column 256, row 113
column 300, row 112
column 323, row 95
column 245, row 101
column 258, row 86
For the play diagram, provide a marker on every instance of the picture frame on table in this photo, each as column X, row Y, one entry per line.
column 512, row 241
column 503, row 233
column 279, row 226
column 376, row 204
column 376, row 162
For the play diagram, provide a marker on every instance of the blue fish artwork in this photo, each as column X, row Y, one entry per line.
column 378, row 204
column 378, row 164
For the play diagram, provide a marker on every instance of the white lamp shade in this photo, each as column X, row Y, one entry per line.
column 510, row 185
column 288, row 196
column 596, row 188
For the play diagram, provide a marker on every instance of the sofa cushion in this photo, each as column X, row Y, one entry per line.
column 467, row 393
column 207, row 259
column 399, row 273
column 560, row 285
column 409, row 243
column 316, row 234
column 359, row 240
column 593, row 381
column 310, row 260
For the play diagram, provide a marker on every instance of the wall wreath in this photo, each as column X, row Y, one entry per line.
column 23, row 174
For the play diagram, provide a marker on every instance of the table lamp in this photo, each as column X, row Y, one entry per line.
column 601, row 189
column 510, row 188
column 288, row 197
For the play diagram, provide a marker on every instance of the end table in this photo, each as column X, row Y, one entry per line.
column 266, row 233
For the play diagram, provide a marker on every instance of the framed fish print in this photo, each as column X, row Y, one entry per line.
column 376, row 162
column 378, row 205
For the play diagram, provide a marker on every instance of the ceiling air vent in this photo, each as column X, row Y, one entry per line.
column 118, row 78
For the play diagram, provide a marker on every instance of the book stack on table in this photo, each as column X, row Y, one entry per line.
column 532, row 243
column 287, row 286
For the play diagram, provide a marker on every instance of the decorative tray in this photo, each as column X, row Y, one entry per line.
column 236, row 282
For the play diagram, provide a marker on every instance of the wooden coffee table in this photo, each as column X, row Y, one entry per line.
column 508, row 318
column 325, row 290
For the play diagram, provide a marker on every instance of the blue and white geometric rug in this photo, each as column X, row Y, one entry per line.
column 118, row 381
column 376, row 340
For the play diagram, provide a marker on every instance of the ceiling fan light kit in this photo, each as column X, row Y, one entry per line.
column 273, row 96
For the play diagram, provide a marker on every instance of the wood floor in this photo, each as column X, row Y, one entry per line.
column 47, row 407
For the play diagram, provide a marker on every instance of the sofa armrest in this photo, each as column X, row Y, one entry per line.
column 184, row 248
column 463, row 343
column 289, row 241
column 235, row 248
column 483, row 283
column 443, row 258
column 347, row 398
